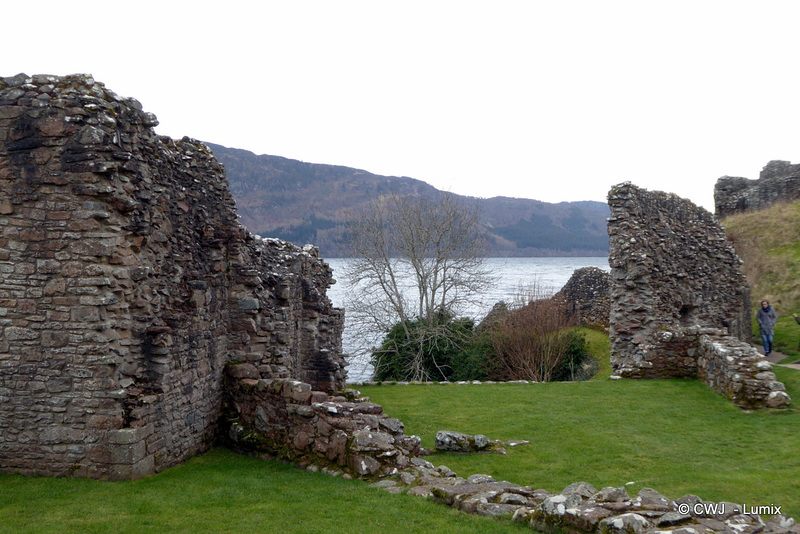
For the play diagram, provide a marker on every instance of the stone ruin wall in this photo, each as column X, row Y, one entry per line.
column 779, row 181
column 334, row 433
column 127, row 285
column 680, row 306
column 586, row 297
column 135, row 313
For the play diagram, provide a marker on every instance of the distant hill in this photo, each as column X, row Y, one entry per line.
column 308, row 202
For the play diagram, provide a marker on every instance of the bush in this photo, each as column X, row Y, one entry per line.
column 577, row 364
column 445, row 349
column 472, row 362
column 537, row 341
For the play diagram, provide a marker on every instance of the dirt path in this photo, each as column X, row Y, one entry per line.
column 774, row 357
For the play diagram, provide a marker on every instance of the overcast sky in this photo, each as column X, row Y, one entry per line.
column 554, row 100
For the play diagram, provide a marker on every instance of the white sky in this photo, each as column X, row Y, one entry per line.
column 555, row 100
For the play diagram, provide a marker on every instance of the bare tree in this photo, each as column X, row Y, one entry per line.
column 418, row 261
column 532, row 339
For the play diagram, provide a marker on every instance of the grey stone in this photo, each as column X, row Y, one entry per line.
column 582, row 489
column 479, row 479
column 610, row 494
column 249, row 304
column 630, row 523
column 447, row 440
column 369, row 441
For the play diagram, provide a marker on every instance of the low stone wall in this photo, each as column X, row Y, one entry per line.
column 738, row 371
column 729, row 366
column 582, row 509
column 287, row 419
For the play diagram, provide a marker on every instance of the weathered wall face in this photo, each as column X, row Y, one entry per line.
column 127, row 284
column 671, row 266
column 779, row 181
column 586, row 295
column 677, row 292
column 339, row 434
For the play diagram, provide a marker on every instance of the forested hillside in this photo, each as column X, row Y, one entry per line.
column 308, row 203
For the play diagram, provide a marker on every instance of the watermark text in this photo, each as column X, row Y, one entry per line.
column 717, row 508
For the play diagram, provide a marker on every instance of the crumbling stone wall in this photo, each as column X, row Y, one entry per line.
column 338, row 434
column 586, row 295
column 674, row 277
column 127, row 285
column 779, row 181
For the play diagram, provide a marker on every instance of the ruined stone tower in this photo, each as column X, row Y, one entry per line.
column 127, row 285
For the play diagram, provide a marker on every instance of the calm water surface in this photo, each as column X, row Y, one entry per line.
column 547, row 274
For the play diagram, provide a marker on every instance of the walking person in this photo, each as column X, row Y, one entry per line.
column 766, row 318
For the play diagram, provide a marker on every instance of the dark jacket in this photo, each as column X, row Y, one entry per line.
column 766, row 318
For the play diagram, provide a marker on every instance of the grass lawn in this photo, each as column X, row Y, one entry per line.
column 223, row 492
column 787, row 337
column 675, row 436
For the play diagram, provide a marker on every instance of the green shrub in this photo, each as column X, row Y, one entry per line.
column 577, row 363
column 453, row 350
column 472, row 362
column 441, row 349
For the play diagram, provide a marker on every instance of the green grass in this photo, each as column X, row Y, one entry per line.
column 768, row 242
column 787, row 337
column 222, row 492
column 676, row 436
column 599, row 347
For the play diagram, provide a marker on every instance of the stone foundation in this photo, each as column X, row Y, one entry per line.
column 581, row 509
column 286, row 418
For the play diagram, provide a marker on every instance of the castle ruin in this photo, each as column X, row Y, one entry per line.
column 680, row 306
column 779, row 181
column 129, row 293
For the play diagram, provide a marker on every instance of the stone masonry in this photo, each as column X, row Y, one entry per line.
column 586, row 296
column 779, row 181
column 139, row 322
column 336, row 433
column 127, row 285
column 680, row 306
